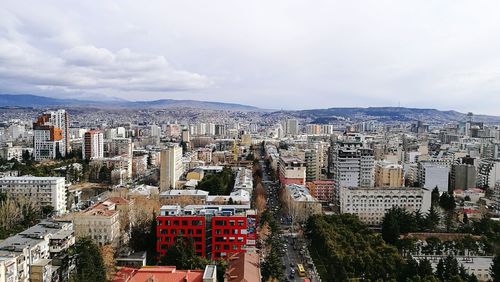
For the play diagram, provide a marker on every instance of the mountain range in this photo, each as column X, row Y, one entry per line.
column 314, row 115
column 34, row 101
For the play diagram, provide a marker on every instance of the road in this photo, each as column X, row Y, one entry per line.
column 294, row 250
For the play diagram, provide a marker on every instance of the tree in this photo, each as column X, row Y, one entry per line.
column 149, row 160
column 435, row 196
column 104, row 174
column 47, row 210
column 495, row 269
column 432, row 219
column 89, row 262
column 397, row 221
column 447, row 201
column 182, row 255
column 425, row 268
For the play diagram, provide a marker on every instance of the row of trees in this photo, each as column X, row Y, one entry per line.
column 270, row 231
column 399, row 221
column 349, row 250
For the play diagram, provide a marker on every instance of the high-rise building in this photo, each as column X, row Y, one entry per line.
column 432, row 175
column 93, row 145
column 462, row 176
column 292, row 127
column 121, row 147
column 351, row 164
column 327, row 129
column 313, row 129
column 155, row 131
column 313, row 169
column 388, row 175
column 171, row 167
column 488, row 173
column 51, row 135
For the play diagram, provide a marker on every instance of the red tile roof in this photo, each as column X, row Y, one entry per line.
column 158, row 273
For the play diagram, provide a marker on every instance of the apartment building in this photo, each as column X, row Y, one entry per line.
column 171, row 167
column 40, row 253
column 47, row 191
column 291, row 170
column 433, row 174
column 216, row 230
column 51, row 135
column 93, row 145
column 300, row 204
column 100, row 222
column 371, row 204
column 388, row 175
column 323, row 190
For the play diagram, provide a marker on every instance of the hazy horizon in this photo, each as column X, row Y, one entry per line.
column 272, row 55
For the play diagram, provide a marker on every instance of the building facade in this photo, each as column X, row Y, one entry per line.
column 371, row 204
column 51, row 135
column 291, row 170
column 217, row 231
column 46, row 191
column 171, row 167
column 93, row 145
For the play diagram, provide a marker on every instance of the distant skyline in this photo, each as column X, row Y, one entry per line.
column 270, row 54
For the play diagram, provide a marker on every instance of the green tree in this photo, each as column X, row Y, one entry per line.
column 425, row 268
column 432, row 219
column 182, row 255
column 149, row 160
column 495, row 269
column 104, row 174
column 435, row 196
column 447, row 202
column 89, row 262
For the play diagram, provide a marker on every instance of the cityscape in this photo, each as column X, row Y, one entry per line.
column 118, row 165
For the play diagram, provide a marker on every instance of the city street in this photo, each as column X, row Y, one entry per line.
column 293, row 248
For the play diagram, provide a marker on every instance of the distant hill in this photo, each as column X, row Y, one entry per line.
column 385, row 114
column 34, row 101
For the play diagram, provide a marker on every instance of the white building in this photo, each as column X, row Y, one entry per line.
column 171, row 167
column 51, row 135
column 100, row 222
column 47, row 191
column 352, row 165
column 30, row 255
column 488, row 173
column 432, row 175
column 371, row 204
column 244, row 180
column 477, row 265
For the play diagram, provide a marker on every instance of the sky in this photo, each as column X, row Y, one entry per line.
column 271, row 54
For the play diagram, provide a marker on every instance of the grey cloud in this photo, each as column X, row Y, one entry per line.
column 274, row 54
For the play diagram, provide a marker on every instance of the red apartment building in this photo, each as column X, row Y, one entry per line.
column 170, row 227
column 216, row 234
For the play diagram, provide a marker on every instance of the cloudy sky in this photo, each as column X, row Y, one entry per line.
column 273, row 54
